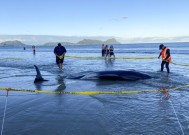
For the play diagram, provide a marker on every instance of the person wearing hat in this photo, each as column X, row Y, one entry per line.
column 166, row 57
column 59, row 51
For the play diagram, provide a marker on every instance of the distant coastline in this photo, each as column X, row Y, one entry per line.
column 112, row 41
column 82, row 42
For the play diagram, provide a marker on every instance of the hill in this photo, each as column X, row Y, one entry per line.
column 111, row 41
column 91, row 42
column 12, row 43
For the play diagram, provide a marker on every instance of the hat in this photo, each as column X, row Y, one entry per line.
column 160, row 46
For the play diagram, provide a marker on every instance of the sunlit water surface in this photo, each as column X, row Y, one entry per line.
column 148, row 113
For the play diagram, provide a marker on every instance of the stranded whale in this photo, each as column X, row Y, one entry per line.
column 122, row 75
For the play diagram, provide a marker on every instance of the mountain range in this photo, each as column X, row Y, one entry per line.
column 43, row 39
column 82, row 42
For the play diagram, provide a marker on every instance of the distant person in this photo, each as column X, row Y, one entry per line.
column 60, row 52
column 33, row 49
column 166, row 57
column 24, row 48
column 103, row 50
column 106, row 51
column 111, row 51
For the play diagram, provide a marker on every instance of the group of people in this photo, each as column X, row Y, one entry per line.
column 60, row 52
column 33, row 49
column 107, row 52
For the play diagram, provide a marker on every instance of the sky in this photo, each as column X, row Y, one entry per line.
column 128, row 20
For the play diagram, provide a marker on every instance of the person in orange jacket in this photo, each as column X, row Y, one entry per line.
column 166, row 57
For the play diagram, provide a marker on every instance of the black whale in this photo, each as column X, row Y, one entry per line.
column 122, row 75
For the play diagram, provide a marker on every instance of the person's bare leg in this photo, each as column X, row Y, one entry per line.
column 60, row 66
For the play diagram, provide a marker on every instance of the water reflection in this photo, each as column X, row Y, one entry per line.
column 109, row 62
column 62, row 86
column 59, row 80
column 38, row 85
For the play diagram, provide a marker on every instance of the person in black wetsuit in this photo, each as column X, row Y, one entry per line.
column 60, row 52
column 103, row 50
column 107, row 52
column 33, row 49
column 111, row 51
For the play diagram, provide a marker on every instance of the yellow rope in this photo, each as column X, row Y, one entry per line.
column 97, row 57
column 186, row 65
column 11, row 59
column 93, row 92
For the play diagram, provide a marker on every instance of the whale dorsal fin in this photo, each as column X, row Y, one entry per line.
column 38, row 77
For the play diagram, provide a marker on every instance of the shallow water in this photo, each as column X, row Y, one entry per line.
column 114, row 114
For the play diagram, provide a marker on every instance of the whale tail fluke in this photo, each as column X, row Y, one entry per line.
column 38, row 77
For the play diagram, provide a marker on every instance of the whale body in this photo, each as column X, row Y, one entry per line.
column 122, row 75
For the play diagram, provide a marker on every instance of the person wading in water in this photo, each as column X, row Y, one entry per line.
column 60, row 52
column 166, row 57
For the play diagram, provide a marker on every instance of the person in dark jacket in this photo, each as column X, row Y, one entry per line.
column 60, row 52
column 103, row 50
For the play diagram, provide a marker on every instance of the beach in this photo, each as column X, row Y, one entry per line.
column 133, row 113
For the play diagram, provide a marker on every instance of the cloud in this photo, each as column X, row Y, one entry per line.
column 119, row 18
column 125, row 17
